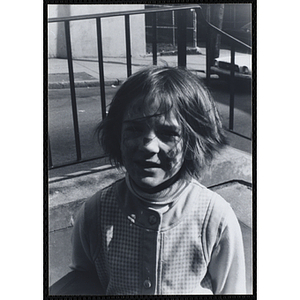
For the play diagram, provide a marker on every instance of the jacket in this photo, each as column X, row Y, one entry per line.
column 192, row 246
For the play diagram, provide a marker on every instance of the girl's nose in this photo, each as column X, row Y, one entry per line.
column 151, row 142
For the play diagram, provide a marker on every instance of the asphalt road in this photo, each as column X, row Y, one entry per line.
column 60, row 123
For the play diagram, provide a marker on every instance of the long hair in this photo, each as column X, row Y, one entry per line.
column 175, row 89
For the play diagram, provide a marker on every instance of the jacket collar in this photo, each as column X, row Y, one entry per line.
column 144, row 210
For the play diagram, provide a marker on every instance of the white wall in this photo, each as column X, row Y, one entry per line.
column 83, row 33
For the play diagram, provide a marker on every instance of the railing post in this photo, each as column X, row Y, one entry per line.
column 181, row 38
column 231, row 107
column 100, row 65
column 49, row 154
column 173, row 29
column 154, row 39
column 208, row 54
column 72, row 89
column 195, row 39
column 128, row 48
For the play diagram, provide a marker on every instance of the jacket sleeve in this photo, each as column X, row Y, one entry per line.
column 227, row 262
column 83, row 279
column 81, row 250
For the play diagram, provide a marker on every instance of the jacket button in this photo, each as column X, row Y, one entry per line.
column 147, row 284
column 152, row 219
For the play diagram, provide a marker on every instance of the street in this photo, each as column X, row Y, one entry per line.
column 60, row 120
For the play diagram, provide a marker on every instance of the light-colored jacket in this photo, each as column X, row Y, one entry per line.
column 195, row 247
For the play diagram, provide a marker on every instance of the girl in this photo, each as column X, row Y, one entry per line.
column 158, row 230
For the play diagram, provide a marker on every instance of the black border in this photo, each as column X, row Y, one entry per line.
column 45, row 150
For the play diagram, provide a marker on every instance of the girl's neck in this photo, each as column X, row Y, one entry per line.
column 157, row 189
column 162, row 196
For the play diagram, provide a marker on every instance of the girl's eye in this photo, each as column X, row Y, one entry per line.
column 168, row 135
column 133, row 130
column 130, row 128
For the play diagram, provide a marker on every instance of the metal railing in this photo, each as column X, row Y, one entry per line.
column 181, row 54
column 233, row 44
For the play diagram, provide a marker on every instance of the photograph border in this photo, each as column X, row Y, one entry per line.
column 46, row 209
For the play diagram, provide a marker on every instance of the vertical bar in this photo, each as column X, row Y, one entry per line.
column 231, row 107
column 49, row 154
column 181, row 38
column 208, row 54
column 128, row 48
column 72, row 88
column 173, row 28
column 100, row 65
column 195, row 44
column 154, row 39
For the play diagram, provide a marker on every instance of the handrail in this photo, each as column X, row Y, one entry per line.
column 218, row 30
column 235, row 42
column 233, row 39
column 121, row 13
column 149, row 10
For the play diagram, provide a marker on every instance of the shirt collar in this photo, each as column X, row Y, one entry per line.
column 143, row 208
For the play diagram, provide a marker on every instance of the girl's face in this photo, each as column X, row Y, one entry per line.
column 151, row 145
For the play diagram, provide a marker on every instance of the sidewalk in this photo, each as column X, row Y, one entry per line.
column 86, row 71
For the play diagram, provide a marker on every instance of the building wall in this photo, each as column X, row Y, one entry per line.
column 235, row 16
column 83, row 32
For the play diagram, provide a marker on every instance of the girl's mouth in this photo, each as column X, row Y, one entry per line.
column 147, row 164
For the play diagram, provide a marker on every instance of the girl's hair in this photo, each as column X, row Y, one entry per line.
column 175, row 89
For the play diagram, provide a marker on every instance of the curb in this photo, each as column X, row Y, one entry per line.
column 86, row 83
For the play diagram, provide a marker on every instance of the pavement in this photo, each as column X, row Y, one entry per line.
column 230, row 174
column 115, row 70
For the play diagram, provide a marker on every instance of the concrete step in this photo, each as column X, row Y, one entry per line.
column 237, row 194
